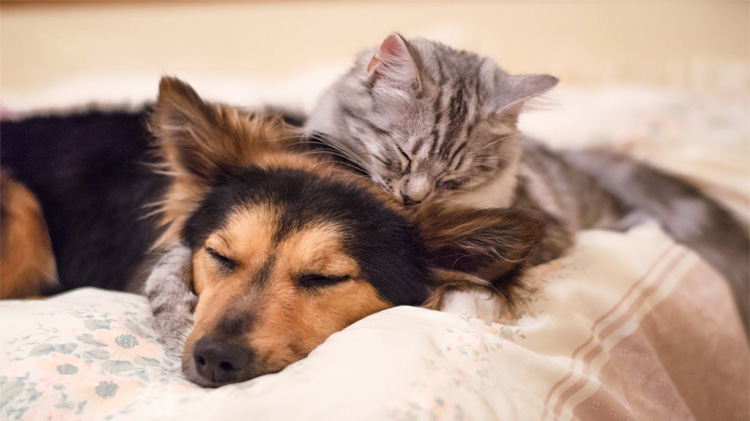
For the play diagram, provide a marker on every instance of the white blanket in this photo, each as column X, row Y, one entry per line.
column 629, row 326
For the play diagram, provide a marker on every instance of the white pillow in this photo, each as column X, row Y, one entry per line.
column 628, row 325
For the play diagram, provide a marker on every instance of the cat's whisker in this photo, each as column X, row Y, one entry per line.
column 500, row 139
column 347, row 153
column 348, row 174
column 490, row 166
column 494, row 157
column 331, row 152
column 353, row 165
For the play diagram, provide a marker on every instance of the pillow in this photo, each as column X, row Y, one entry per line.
column 629, row 325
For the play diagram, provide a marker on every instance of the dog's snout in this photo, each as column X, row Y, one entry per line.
column 218, row 361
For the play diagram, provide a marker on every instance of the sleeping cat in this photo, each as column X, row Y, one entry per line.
column 431, row 123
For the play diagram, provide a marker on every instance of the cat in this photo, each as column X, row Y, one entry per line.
column 432, row 123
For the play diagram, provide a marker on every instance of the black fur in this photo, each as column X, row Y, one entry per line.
column 91, row 175
column 385, row 245
column 88, row 172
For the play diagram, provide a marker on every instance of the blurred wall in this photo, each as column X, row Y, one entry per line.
column 694, row 45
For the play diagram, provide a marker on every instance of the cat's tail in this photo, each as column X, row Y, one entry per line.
column 683, row 211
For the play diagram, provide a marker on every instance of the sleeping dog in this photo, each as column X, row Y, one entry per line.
column 281, row 245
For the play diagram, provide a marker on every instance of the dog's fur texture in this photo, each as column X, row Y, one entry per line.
column 90, row 175
column 281, row 245
column 25, row 252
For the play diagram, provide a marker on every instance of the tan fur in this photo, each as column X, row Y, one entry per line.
column 245, row 138
column 219, row 136
column 309, row 319
column 26, row 259
column 288, row 319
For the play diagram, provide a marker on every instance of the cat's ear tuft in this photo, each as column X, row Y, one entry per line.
column 517, row 89
column 393, row 63
column 508, row 93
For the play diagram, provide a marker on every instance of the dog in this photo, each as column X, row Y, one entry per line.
column 284, row 246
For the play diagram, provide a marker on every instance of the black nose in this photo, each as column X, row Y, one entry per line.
column 218, row 361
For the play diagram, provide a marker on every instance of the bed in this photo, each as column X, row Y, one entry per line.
column 627, row 326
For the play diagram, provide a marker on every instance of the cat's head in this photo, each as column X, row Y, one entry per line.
column 427, row 121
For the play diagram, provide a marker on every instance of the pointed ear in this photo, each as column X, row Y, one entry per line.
column 197, row 138
column 512, row 90
column 394, row 64
column 517, row 89
column 189, row 131
column 491, row 244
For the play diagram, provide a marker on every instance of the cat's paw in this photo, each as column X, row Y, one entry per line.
column 475, row 302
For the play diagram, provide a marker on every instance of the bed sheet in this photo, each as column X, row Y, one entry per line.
column 628, row 326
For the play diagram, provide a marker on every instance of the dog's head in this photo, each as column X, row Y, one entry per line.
column 288, row 249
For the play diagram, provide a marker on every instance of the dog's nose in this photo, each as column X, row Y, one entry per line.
column 218, row 361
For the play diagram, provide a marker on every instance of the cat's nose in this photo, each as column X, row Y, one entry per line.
column 408, row 201
column 415, row 190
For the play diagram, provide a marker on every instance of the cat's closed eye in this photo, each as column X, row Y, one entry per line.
column 406, row 167
column 452, row 184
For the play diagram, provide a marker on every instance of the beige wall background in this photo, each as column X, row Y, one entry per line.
column 685, row 45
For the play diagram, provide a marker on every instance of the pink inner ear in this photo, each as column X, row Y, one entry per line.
column 374, row 63
column 393, row 56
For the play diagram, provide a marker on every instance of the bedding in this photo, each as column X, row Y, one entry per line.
column 628, row 326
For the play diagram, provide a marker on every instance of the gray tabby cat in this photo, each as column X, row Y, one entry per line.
column 172, row 301
column 428, row 122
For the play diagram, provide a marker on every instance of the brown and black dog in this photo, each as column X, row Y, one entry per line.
column 285, row 246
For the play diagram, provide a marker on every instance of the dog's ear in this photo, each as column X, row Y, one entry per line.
column 198, row 138
column 478, row 247
column 198, row 141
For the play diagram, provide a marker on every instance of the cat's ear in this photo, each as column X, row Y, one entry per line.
column 491, row 244
column 394, row 64
column 513, row 90
column 521, row 88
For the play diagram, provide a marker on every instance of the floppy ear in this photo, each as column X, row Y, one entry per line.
column 394, row 64
column 479, row 247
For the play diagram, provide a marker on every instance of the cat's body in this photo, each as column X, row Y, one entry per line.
column 430, row 123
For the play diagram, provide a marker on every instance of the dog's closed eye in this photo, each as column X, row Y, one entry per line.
column 225, row 263
column 315, row 280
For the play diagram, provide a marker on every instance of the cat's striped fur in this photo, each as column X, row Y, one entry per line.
column 431, row 123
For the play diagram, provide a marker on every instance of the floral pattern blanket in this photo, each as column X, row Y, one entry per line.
column 657, row 338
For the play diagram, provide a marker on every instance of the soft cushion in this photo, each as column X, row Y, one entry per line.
column 628, row 326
